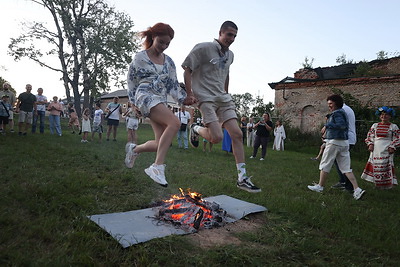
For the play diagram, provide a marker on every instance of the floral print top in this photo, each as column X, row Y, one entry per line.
column 149, row 83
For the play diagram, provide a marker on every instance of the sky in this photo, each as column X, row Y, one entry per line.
column 274, row 36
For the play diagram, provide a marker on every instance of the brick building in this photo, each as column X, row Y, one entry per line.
column 302, row 99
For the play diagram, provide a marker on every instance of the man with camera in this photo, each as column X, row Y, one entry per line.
column 184, row 118
column 264, row 126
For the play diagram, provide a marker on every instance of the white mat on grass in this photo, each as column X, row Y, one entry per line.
column 137, row 226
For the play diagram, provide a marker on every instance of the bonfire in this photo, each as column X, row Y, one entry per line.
column 189, row 210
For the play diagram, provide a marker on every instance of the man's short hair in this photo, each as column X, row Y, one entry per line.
column 228, row 24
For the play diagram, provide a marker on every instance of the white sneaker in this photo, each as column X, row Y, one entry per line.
column 358, row 193
column 156, row 172
column 261, row 158
column 316, row 188
column 127, row 147
column 252, row 157
column 130, row 156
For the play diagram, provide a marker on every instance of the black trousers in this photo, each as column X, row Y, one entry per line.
column 263, row 141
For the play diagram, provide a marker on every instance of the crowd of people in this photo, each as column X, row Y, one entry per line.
column 152, row 77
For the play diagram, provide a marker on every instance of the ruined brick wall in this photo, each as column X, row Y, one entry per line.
column 304, row 103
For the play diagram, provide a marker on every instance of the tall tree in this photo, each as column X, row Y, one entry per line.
column 92, row 40
column 243, row 103
column 260, row 108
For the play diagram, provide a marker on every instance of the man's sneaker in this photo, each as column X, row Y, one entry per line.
column 248, row 186
column 130, row 155
column 127, row 146
column 358, row 193
column 156, row 172
column 339, row 185
column 316, row 188
column 252, row 157
column 261, row 158
column 193, row 136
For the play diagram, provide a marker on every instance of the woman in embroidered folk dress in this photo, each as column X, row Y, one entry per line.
column 151, row 77
column 382, row 140
column 280, row 136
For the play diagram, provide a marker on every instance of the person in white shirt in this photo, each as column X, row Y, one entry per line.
column 41, row 102
column 280, row 136
column 113, row 110
column 251, row 133
column 184, row 118
column 344, row 182
column 97, row 120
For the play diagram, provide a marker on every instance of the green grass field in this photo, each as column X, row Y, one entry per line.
column 49, row 184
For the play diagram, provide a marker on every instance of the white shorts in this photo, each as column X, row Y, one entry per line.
column 334, row 152
column 132, row 123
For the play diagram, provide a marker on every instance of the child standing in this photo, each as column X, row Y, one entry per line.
column 5, row 108
column 322, row 147
column 73, row 118
column 97, row 122
column 132, row 124
column 85, row 125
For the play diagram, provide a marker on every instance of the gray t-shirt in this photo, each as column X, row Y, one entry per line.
column 210, row 68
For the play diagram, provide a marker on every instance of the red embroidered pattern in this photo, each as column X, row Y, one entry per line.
column 382, row 130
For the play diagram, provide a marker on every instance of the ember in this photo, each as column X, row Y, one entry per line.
column 190, row 210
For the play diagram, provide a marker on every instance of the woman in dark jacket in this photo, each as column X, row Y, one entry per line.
column 337, row 147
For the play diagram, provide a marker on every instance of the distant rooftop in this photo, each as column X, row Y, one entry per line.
column 118, row 93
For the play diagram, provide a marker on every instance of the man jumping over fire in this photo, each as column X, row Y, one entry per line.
column 206, row 75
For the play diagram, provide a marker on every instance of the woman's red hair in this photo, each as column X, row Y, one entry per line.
column 159, row 29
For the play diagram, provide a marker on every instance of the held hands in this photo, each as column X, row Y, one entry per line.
column 190, row 100
column 391, row 150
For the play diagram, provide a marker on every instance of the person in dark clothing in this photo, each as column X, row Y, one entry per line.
column 264, row 127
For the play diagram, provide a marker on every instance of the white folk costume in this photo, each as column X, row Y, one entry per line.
column 380, row 167
column 280, row 136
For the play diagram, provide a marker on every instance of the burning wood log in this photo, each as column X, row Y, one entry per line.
column 190, row 210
